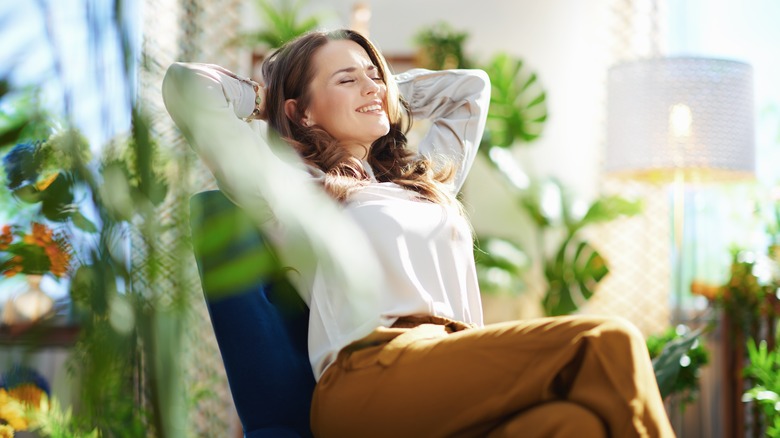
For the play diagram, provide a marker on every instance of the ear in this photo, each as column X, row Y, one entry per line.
column 291, row 111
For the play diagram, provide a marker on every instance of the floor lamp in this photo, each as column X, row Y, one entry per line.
column 680, row 120
column 676, row 121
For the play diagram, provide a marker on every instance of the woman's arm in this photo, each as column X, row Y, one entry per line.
column 456, row 102
column 208, row 104
column 269, row 181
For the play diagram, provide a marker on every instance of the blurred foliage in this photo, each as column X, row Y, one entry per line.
column 226, row 240
column 55, row 422
column 574, row 267
column 678, row 356
column 133, row 174
column 19, row 120
column 745, row 298
column 441, row 47
column 501, row 265
column 764, row 372
column 19, row 116
column 128, row 359
column 118, row 306
column 38, row 173
column 750, row 304
column 106, row 311
column 282, row 21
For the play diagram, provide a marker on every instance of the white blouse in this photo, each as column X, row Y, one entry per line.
column 424, row 250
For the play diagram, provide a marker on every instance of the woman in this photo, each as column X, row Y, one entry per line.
column 411, row 358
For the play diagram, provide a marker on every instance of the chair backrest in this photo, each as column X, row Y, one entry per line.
column 260, row 324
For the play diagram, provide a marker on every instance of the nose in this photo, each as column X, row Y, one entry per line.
column 370, row 86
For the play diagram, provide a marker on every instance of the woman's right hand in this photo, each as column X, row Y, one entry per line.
column 259, row 87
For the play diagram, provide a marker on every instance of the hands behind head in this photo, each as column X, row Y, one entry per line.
column 259, row 87
column 259, row 111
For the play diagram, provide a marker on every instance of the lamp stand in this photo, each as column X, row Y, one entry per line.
column 678, row 233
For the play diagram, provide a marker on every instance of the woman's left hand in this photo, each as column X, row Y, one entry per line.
column 260, row 93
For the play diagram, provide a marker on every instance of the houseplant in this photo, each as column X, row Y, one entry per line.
column 33, row 252
column 440, row 46
column 36, row 250
column 282, row 21
column 764, row 372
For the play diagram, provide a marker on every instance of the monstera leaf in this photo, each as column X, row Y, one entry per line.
column 572, row 277
column 518, row 107
column 576, row 267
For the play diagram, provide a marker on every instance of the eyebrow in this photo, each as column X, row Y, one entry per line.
column 371, row 67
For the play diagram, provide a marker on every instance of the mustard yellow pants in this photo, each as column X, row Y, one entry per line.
column 551, row 377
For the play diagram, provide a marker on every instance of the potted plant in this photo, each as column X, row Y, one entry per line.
column 34, row 252
column 441, row 47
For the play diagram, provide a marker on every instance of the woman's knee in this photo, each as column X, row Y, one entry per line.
column 614, row 327
column 552, row 420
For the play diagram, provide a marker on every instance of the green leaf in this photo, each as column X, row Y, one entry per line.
column 559, row 299
column 518, row 103
column 572, row 276
column 57, row 199
column 27, row 193
column 609, row 208
column 667, row 365
column 241, row 272
column 83, row 223
column 11, row 131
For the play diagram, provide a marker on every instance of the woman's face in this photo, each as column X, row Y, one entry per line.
column 348, row 96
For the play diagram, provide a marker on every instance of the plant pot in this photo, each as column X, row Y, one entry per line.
column 29, row 306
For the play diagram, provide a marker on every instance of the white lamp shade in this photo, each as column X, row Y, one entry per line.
column 680, row 116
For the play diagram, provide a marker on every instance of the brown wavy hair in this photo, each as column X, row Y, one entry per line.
column 287, row 74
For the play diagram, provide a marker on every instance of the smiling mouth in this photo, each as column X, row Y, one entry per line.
column 370, row 108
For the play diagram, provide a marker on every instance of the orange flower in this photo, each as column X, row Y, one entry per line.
column 37, row 252
column 27, row 393
column 6, row 237
column 708, row 291
column 41, row 234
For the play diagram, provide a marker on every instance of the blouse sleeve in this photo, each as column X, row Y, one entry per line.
column 207, row 105
column 456, row 102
